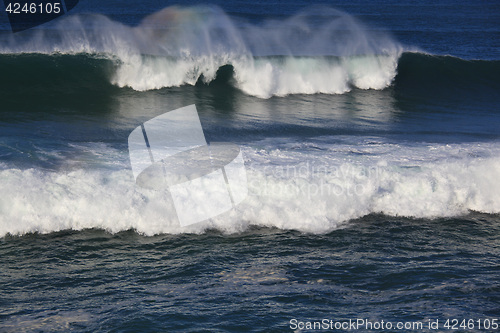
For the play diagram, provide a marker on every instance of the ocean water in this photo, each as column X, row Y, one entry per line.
column 371, row 143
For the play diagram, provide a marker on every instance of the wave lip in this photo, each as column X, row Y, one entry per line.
column 411, row 74
column 265, row 77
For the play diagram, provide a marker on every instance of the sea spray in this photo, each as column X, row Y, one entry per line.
column 320, row 50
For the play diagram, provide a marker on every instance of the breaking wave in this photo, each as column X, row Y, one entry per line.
column 303, row 189
column 321, row 50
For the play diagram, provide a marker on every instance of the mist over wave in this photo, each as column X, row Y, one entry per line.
column 320, row 50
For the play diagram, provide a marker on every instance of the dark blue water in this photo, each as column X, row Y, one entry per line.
column 370, row 136
column 379, row 268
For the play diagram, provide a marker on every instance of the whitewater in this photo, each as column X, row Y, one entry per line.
column 308, row 187
column 318, row 103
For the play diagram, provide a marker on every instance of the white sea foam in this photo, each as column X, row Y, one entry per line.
column 316, row 51
column 302, row 186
